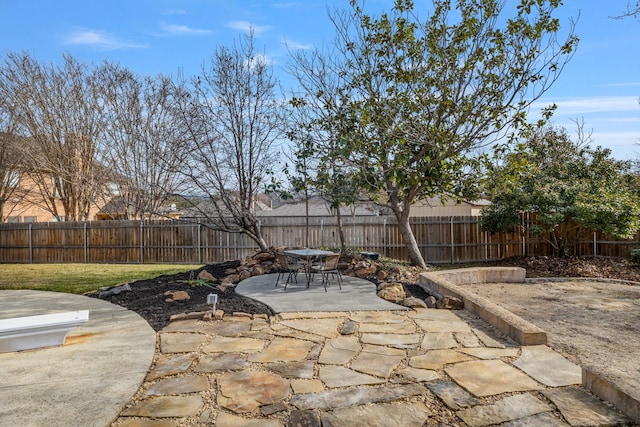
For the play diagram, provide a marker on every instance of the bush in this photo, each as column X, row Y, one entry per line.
column 635, row 256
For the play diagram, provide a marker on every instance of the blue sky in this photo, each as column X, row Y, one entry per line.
column 600, row 86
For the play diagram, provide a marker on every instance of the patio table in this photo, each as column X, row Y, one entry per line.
column 307, row 255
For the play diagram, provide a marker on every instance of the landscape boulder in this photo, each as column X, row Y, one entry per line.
column 393, row 292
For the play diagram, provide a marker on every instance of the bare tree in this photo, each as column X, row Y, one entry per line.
column 58, row 109
column 145, row 145
column 633, row 10
column 235, row 118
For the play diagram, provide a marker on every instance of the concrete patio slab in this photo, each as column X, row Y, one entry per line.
column 356, row 295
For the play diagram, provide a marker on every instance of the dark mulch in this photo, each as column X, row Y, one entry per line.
column 147, row 297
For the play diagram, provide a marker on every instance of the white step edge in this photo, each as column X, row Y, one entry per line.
column 25, row 333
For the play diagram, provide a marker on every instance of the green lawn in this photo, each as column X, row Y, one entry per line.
column 80, row 278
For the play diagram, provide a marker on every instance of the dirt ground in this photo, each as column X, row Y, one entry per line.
column 593, row 323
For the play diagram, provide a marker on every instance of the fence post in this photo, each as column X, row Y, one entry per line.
column 141, row 244
column 85, row 243
column 199, row 242
column 322, row 233
column 384, row 238
column 30, row 243
column 451, row 231
column 595, row 249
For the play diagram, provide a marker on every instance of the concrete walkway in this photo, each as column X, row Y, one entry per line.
column 86, row 381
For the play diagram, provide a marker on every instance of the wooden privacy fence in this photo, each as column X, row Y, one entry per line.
column 441, row 240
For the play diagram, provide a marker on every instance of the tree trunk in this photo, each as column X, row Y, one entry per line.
column 343, row 245
column 415, row 257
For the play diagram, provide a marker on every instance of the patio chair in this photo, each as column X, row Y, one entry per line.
column 328, row 267
column 289, row 268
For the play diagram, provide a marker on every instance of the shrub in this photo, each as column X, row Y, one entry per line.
column 635, row 256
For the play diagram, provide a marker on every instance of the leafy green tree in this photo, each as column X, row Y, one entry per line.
column 416, row 99
column 567, row 185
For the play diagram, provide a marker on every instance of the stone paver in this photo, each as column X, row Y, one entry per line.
column 339, row 376
column 181, row 342
column 437, row 359
column 378, row 360
column 490, row 377
column 166, row 407
column 339, row 351
column 384, row 415
column 245, row 391
column 179, row 385
column 508, row 409
column 438, row 340
column 548, row 367
column 282, row 350
column 357, row 369
column 581, row 408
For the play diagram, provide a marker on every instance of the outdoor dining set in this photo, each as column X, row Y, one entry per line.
column 310, row 262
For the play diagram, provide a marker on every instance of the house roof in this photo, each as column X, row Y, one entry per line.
column 316, row 208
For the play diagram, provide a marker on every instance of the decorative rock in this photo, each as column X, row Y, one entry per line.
column 244, row 275
column 381, row 275
column 245, row 391
column 205, row 275
column 115, row 290
column 413, row 302
column 363, row 270
column 219, row 315
column 348, row 328
column 264, row 256
column 431, row 302
column 393, row 292
column 257, row 270
column 450, row 303
column 230, row 271
column 232, row 278
column 177, row 296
